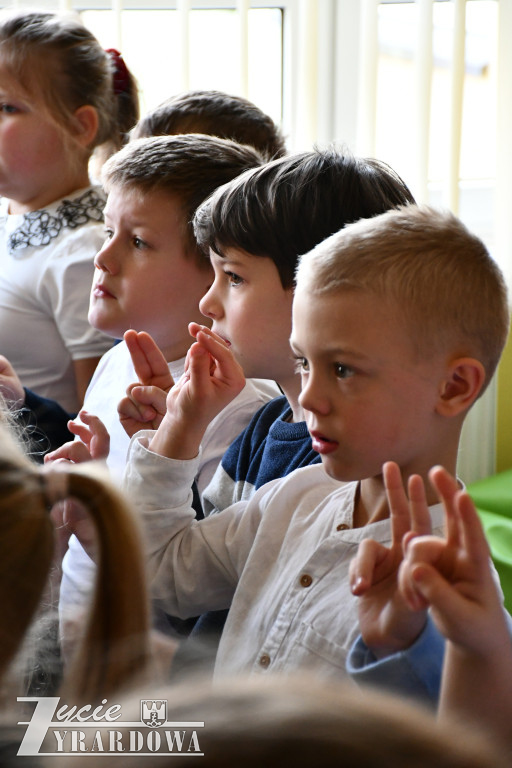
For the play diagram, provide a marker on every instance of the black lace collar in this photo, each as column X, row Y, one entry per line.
column 38, row 228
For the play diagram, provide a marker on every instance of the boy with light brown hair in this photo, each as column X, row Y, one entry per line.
column 150, row 276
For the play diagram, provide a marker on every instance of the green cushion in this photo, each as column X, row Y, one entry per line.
column 493, row 499
column 499, row 535
column 494, row 493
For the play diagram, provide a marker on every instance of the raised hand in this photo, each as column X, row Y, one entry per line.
column 386, row 621
column 453, row 574
column 149, row 362
column 94, row 442
column 212, row 379
column 70, row 517
column 11, row 387
column 144, row 404
column 141, row 408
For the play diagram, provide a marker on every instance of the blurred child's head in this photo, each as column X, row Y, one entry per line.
column 398, row 325
column 54, row 62
column 298, row 720
column 256, row 227
column 216, row 114
column 150, row 273
column 114, row 648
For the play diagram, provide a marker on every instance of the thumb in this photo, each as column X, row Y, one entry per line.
column 436, row 591
column 146, row 399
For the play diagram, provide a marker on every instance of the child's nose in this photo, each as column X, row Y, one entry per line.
column 312, row 398
column 209, row 305
column 105, row 259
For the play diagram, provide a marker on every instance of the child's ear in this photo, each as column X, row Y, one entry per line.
column 461, row 386
column 86, row 124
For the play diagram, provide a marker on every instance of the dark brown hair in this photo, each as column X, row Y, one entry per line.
column 217, row 114
column 288, row 206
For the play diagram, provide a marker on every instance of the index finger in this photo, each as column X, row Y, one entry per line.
column 195, row 329
column 472, row 529
column 147, row 358
column 446, row 488
column 219, row 350
column 421, row 523
column 398, row 502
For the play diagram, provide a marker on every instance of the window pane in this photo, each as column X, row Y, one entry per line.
column 395, row 116
column 152, row 51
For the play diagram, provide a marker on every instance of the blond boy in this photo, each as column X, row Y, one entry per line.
column 398, row 325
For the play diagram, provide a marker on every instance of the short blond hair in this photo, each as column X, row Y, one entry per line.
column 425, row 261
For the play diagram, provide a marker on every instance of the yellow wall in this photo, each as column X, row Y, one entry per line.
column 504, row 411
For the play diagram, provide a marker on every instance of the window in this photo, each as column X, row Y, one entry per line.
column 151, row 46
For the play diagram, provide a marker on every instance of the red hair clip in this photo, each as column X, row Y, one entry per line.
column 122, row 78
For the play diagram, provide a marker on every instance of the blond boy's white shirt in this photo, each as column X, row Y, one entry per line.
column 280, row 560
column 108, row 385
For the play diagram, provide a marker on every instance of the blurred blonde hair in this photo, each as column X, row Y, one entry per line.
column 114, row 649
column 303, row 723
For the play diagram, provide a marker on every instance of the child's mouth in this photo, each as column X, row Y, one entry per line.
column 321, row 444
column 99, row 292
column 226, row 341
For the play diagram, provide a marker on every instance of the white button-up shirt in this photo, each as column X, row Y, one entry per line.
column 280, row 560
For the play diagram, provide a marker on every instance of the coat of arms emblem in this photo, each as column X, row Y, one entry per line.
column 153, row 712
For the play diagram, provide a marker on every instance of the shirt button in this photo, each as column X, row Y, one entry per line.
column 264, row 660
column 342, row 527
column 306, row 580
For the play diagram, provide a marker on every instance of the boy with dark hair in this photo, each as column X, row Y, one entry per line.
column 217, row 114
column 254, row 229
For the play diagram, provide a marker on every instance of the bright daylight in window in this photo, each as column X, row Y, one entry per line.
column 150, row 42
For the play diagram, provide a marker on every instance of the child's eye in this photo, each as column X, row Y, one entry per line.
column 139, row 242
column 342, row 371
column 301, row 365
column 234, row 279
column 109, row 233
column 8, row 109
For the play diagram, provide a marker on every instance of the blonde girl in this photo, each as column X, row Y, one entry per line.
column 114, row 651
column 61, row 98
